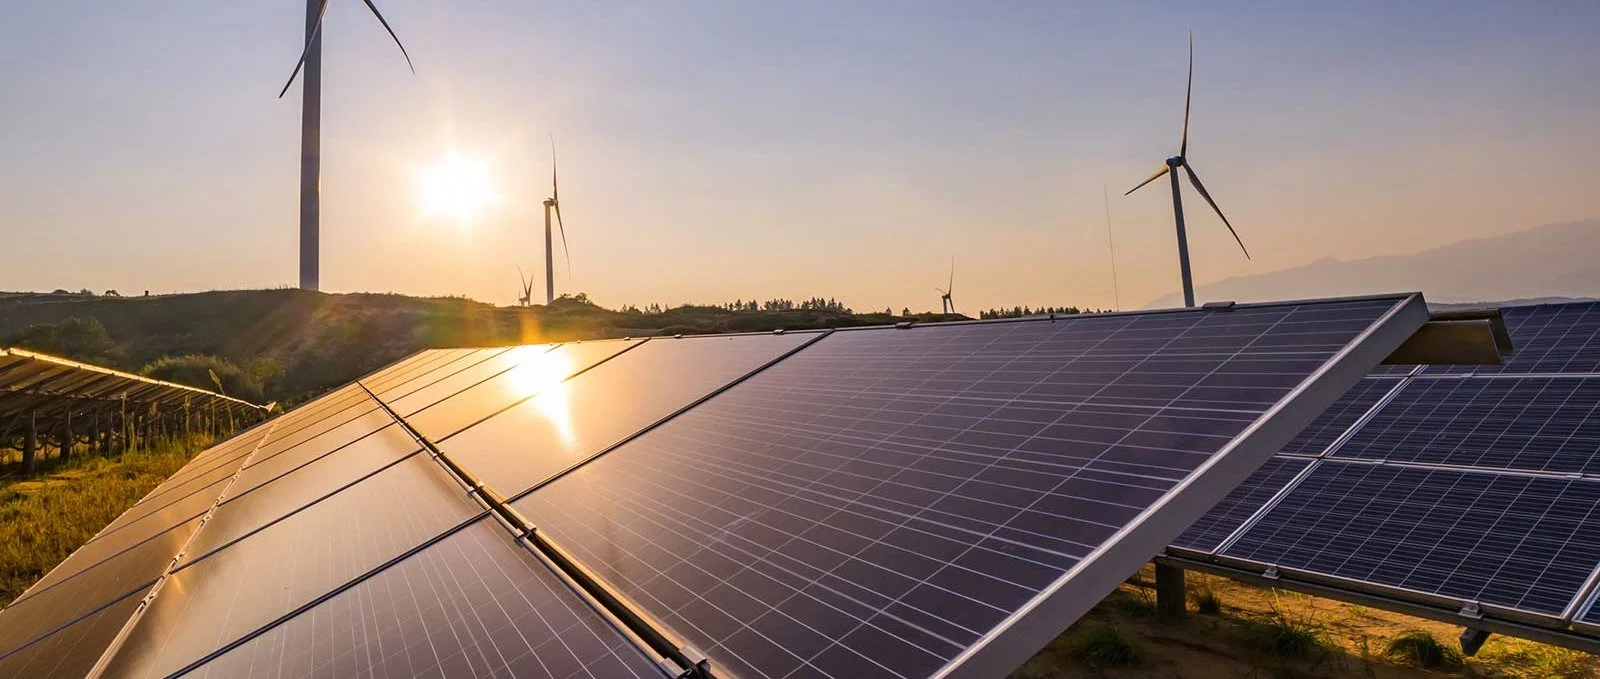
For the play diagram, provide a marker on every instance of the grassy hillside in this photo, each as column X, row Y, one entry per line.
column 297, row 343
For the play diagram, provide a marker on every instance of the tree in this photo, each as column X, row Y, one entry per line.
column 80, row 339
column 205, row 372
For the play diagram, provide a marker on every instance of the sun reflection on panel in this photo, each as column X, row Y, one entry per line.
column 542, row 374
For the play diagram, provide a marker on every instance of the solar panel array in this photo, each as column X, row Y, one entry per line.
column 896, row 502
column 1453, row 487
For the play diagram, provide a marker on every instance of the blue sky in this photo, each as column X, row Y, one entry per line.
column 718, row 150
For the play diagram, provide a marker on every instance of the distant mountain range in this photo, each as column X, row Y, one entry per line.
column 1556, row 262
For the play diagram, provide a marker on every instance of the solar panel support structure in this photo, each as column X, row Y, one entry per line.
column 670, row 653
column 1171, row 595
column 1472, row 639
column 1448, row 616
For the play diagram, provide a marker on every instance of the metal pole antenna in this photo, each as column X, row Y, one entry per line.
column 549, row 258
column 310, row 151
column 1183, row 238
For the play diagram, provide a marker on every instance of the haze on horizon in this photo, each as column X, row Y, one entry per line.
column 714, row 150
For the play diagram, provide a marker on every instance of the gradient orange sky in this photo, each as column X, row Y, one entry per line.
column 721, row 150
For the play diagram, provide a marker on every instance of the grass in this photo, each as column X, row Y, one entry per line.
column 1419, row 647
column 1206, row 600
column 44, row 518
column 1103, row 645
column 1283, row 633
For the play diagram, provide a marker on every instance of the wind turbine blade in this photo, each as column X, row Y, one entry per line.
column 386, row 27
column 1152, row 178
column 555, row 187
column 1188, row 95
column 1195, row 179
column 315, row 31
column 952, row 282
column 563, row 228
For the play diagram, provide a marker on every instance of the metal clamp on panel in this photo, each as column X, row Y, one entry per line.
column 902, row 325
column 1271, row 573
column 1220, row 305
column 1471, row 610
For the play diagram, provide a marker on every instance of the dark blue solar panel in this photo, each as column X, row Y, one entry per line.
column 1338, row 418
column 1211, row 530
column 1527, row 423
column 876, row 503
column 1520, row 542
column 473, row 605
column 1547, row 338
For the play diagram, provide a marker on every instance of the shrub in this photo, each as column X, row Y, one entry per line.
column 1418, row 647
column 1283, row 635
column 204, row 372
column 1206, row 600
column 1103, row 645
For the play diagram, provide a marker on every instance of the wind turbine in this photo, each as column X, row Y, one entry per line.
column 527, row 288
column 311, row 133
column 553, row 204
column 1171, row 168
column 946, row 302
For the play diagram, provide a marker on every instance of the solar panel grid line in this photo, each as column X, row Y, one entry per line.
column 638, row 627
column 297, row 467
column 651, row 426
column 127, row 628
column 1168, row 516
column 309, row 605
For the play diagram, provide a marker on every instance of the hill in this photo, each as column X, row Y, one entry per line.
column 287, row 344
column 1554, row 260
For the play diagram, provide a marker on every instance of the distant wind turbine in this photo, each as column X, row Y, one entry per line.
column 527, row 288
column 553, row 204
column 1171, row 168
column 947, row 303
column 311, row 133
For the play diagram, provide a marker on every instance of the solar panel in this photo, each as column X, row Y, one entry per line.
column 1548, row 338
column 884, row 500
column 1208, row 533
column 37, row 613
column 564, row 423
column 232, row 591
column 1470, row 490
column 1526, row 423
column 72, row 650
column 510, row 378
column 473, row 605
column 1344, row 413
column 938, row 499
column 1519, row 542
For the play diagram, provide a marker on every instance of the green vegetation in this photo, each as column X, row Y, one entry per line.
column 292, row 344
column 1283, row 633
column 1206, row 600
column 1420, row 648
column 1103, row 645
column 42, row 520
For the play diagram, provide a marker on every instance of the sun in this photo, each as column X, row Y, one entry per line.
column 456, row 188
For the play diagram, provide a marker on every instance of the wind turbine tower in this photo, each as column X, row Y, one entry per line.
column 311, row 135
column 1171, row 167
column 553, row 205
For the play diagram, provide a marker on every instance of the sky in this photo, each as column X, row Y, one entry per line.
column 714, row 150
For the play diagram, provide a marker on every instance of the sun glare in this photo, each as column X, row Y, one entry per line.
column 542, row 374
column 456, row 188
